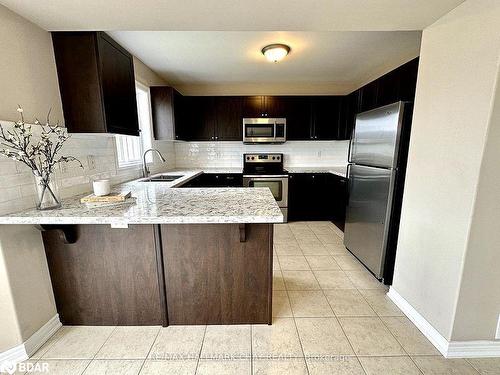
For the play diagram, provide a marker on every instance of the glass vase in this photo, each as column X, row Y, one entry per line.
column 47, row 193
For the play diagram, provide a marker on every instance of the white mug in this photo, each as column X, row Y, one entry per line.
column 101, row 187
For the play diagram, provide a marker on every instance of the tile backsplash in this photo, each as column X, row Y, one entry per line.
column 97, row 152
column 229, row 154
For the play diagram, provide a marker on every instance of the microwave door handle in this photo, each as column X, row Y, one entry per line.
column 274, row 134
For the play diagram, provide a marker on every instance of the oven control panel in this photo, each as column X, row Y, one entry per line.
column 262, row 158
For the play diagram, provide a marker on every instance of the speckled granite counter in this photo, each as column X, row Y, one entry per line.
column 337, row 170
column 158, row 203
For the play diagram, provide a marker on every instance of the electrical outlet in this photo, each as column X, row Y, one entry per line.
column 497, row 336
column 91, row 162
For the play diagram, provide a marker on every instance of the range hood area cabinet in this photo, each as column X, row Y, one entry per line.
column 97, row 84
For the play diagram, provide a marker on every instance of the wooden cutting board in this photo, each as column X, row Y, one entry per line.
column 110, row 198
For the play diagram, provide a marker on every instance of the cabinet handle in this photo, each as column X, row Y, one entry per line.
column 216, row 137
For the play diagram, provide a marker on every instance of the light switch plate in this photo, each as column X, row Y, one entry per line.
column 497, row 336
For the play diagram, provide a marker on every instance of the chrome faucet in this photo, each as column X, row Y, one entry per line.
column 145, row 169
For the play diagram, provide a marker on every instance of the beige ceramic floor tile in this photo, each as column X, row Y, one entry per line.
column 114, row 367
column 294, row 263
column 380, row 303
column 486, row 366
column 277, row 340
column 278, row 283
column 309, row 304
column 281, row 304
column 333, row 280
column 316, row 249
column 412, row 340
column 62, row 367
column 56, row 336
column 369, row 336
column 178, row 342
column 300, row 280
column 129, row 343
column 227, row 341
column 437, row 365
column 348, row 263
column 364, row 280
column 322, row 337
column 389, row 366
column 288, row 248
column 335, row 366
column 294, row 366
column 224, row 367
column 79, row 342
column 177, row 367
column 322, row 262
column 330, row 239
column 348, row 302
column 337, row 249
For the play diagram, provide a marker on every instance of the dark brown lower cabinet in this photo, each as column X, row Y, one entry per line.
column 107, row 277
column 212, row 277
column 161, row 274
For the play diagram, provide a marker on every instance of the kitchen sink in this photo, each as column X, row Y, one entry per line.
column 162, row 178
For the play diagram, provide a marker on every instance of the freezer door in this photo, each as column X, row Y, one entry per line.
column 376, row 136
column 368, row 214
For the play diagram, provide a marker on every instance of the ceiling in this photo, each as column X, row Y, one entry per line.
column 222, row 62
column 213, row 46
column 232, row 15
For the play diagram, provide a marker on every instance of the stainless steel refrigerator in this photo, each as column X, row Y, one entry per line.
column 376, row 169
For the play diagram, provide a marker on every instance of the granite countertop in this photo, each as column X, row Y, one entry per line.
column 159, row 203
column 338, row 170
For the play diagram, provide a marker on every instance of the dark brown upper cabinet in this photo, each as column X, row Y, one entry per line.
column 326, row 114
column 97, row 83
column 297, row 111
column 165, row 109
column 229, row 116
column 198, row 120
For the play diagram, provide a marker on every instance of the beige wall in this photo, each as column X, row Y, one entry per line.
column 145, row 75
column 478, row 306
column 27, row 69
column 457, row 76
column 29, row 282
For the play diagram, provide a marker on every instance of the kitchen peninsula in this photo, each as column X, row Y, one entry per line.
column 165, row 256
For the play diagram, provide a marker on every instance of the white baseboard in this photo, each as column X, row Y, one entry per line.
column 23, row 351
column 449, row 349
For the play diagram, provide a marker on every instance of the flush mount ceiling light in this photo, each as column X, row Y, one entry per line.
column 275, row 52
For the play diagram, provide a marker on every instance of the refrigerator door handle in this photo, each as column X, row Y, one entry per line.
column 349, row 151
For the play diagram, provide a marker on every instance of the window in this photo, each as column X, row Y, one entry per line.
column 129, row 148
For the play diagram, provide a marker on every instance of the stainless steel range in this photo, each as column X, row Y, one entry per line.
column 266, row 170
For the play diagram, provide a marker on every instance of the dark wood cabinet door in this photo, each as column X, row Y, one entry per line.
column 229, row 114
column 118, row 87
column 253, row 106
column 326, row 117
column 82, row 103
column 348, row 111
column 297, row 110
column 408, row 80
column 388, row 88
column 162, row 112
column 368, row 96
column 198, row 118
column 338, row 193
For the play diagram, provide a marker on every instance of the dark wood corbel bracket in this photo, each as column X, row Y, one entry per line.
column 67, row 233
column 243, row 232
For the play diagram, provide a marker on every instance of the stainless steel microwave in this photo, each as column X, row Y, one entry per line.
column 264, row 130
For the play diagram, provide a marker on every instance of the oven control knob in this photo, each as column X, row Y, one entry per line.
column 274, row 158
column 253, row 158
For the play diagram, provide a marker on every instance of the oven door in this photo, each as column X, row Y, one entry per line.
column 277, row 184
